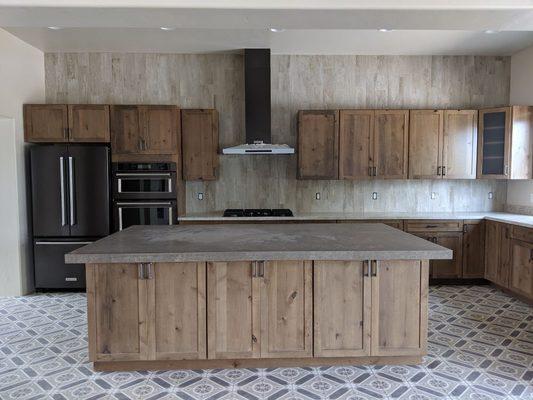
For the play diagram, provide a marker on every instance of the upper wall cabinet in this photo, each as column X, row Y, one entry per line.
column 373, row 144
column 442, row 144
column 60, row 123
column 505, row 143
column 144, row 129
column 318, row 144
column 199, row 140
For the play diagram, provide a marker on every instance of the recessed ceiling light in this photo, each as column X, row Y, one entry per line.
column 491, row 31
column 167, row 28
column 55, row 28
column 385, row 30
column 277, row 30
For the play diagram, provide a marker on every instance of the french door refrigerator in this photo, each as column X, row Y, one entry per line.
column 70, row 208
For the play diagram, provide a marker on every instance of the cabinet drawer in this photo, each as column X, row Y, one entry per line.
column 395, row 223
column 434, row 225
column 523, row 234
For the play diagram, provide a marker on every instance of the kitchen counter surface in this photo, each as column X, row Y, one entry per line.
column 234, row 242
column 516, row 219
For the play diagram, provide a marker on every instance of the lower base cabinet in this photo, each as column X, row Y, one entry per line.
column 217, row 311
column 521, row 279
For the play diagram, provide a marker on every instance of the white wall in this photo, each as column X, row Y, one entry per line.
column 520, row 193
column 22, row 81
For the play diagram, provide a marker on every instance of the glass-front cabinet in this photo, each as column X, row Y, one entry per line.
column 505, row 143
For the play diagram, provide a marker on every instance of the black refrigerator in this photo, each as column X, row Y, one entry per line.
column 70, row 208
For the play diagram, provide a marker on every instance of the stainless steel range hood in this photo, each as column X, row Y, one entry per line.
column 257, row 107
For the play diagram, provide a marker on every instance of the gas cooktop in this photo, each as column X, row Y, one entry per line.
column 258, row 212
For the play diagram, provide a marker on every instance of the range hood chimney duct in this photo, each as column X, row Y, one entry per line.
column 258, row 107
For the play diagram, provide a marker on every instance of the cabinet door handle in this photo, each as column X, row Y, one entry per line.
column 375, row 169
column 149, row 271
column 141, row 271
column 369, row 171
column 254, row 339
column 506, row 170
column 444, row 170
column 366, row 268
column 438, row 170
column 254, row 269
column 261, row 265
column 432, row 226
column 374, row 268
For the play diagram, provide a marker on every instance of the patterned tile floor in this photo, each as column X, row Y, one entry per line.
column 480, row 347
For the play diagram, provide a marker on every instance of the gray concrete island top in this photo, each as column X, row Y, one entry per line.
column 253, row 242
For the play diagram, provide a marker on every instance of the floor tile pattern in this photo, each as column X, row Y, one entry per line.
column 480, row 347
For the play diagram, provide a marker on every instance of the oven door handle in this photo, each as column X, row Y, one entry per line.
column 143, row 204
column 143, row 175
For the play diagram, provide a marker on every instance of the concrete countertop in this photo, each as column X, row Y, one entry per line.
column 516, row 219
column 239, row 242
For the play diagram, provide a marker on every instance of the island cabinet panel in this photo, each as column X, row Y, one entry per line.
column 286, row 309
column 474, row 249
column 425, row 143
column 356, row 144
column 179, row 311
column 199, row 133
column 391, row 128
column 88, row 123
column 46, row 123
column 342, row 309
column 116, row 318
column 233, row 310
column 399, row 307
column 318, row 144
column 521, row 279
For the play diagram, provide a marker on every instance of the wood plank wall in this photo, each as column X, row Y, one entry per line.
column 298, row 82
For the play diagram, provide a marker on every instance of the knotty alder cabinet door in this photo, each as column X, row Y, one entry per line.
column 46, row 123
column 318, row 144
column 144, row 129
column 442, row 144
column 88, row 123
column 399, row 307
column 373, row 144
column 146, row 311
column 259, row 310
column 474, row 249
column 521, row 279
column 342, row 309
column 497, row 253
column 199, row 137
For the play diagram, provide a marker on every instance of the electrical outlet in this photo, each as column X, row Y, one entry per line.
column 491, row 195
column 374, row 195
column 433, row 195
column 317, row 196
column 200, row 196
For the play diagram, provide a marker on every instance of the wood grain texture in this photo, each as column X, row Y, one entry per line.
column 459, row 144
column 356, row 144
column 45, row 123
column 474, row 250
column 89, row 122
column 391, row 128
column 425, row 144
column 298, row 82
column 342, row 286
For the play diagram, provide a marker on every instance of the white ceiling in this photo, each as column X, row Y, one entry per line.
column 311, row 26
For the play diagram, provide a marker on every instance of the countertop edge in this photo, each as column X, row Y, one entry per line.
column 259, row 256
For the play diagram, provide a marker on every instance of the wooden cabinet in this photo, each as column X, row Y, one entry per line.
column 88, row 123
column 179, row 311
column 286, row 309
column 342, row 309
column 391, row 135
column 356, row 144
column 394, row 223
column 399, row 307
column 505, row 143
column 46, row 123
column 497, row 253
column 318, row 144
column 373, row 144
column 447, row 233
column 61, row 123
column 521, row 276
column 425, row 143
column 116, row 313
column 233, row 310
column 474, row 249
column 144, row 129
column 459, row 144
column 259, row 309
column 442, row 144
column 146, row 311
column 199, row 136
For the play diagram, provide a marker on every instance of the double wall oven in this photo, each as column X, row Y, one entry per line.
column 143, row 194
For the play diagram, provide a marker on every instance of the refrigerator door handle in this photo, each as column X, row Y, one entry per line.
column 62, row 185
column 72, row 204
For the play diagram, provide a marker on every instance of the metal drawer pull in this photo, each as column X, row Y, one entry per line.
column 375, row 268
column 71, row 279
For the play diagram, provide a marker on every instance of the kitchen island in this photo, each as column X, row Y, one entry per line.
column 167, row 297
